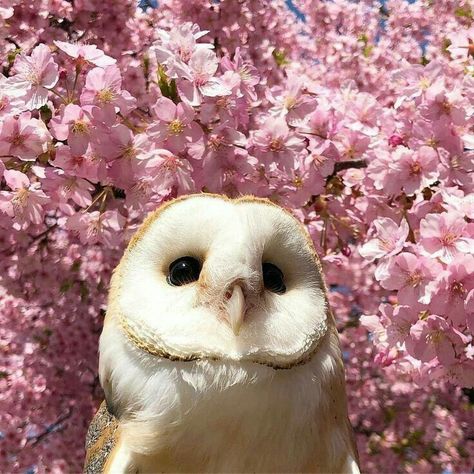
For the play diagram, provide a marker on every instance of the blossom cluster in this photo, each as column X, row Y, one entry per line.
column 358, row 119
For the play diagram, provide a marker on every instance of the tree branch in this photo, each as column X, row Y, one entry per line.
column 57, row 425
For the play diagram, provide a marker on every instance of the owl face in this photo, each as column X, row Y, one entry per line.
column 210, row 277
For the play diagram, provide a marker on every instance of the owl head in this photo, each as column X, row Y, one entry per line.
column 207, row 277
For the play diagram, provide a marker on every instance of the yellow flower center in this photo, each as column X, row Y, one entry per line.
column 20, row 200
column 414, row 279
column 175, row 127
column 449, row 238
column 298, row 181
column 80, row 126
column 424, row 83
column 290, row 102
column 215, row 142
column 17, row 140
column 415, row 168
column 105, row 96
column 458, row 289
column 276, row 144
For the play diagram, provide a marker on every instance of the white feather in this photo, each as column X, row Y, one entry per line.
column 231, row 410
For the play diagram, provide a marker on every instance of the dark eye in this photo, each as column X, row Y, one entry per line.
column 273, row 278
column 184, row 270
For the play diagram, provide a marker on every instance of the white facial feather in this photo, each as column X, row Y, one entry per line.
column 271, row 398
column 232, row 240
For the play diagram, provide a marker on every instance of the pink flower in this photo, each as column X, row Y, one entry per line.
column 433, row 337
column 462, row 44
column 93, row 227
column 291, row 101
column 451, row 290
column 85, row 52
column 25, row 203
column 416, row 170
column 323, row 122
column 274, row 143
column 23, row 136
column 444, row 104
column 389, row 239
column 232, row 171
column 415, row 79
column 171, row 172
column 220, row 142
column 63, row 188
column 445, row 235
column 35, row 76
column 410, row 275
column 353, row 145
column 176, row 127
column 104, row 88
column 381, row 169
column 74, row 126
column 201, row 80
column 402, row 318
column 180, row 41
column 248, row 74
column 88, row 165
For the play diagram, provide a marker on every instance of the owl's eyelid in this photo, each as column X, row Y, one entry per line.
column 165, row 265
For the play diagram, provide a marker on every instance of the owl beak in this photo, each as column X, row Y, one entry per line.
column 236, row 309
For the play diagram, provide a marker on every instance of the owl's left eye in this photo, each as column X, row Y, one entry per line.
column 183, row 270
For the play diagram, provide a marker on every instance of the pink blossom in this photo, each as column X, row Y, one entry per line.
column 353, row 145
column 275, row 143
column 450, row 292
column 291, row 101
column 444, row 104
column 171, row 171
column 411, row 275
column 219, row 143
column 180, row 41
column 445, row 235
column 23, row 136
column 35, row 76
column 389, row 239
column 104, row 88
column 416, row 79
column 433, row 337
column 93, row 227
column 322, row 122
column 402, row 318
column 462, row 42
column 85, row 52
column 200, row 78
column 416, row 170
column 176, row 127
column 248, row 74
column 63, row 188
column 88, row 165
column 74, row 126
column 25, row 203
column 469, row 307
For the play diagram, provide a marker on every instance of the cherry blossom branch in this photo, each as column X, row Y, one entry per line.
column 52, row 428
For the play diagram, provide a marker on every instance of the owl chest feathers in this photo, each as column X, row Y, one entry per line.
column 225, row 416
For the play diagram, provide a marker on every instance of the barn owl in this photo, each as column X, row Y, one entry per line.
column 219, row 352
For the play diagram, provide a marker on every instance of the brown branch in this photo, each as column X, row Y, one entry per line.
column 56, row 426
column 347, row 165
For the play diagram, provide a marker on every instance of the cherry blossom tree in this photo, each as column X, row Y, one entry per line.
column 355, row 115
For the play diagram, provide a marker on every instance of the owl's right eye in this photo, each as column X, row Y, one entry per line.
column 183, row 270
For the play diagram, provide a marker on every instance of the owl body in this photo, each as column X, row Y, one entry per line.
column 235, row 369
